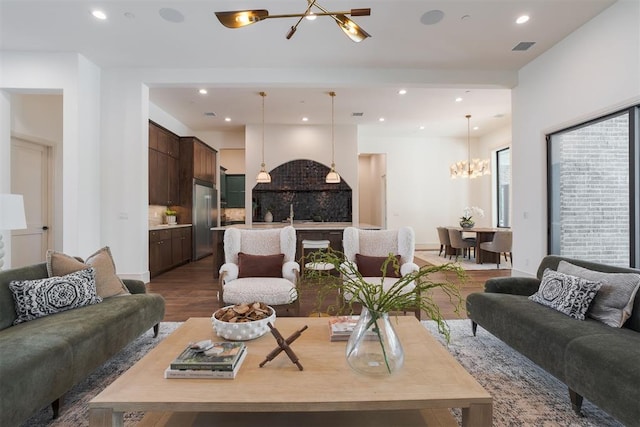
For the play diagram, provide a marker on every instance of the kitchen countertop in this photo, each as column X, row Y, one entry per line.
column 303, row 225
column 167, row 226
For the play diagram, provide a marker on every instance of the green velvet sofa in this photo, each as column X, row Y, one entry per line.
column 42, row 359
column 598, row 362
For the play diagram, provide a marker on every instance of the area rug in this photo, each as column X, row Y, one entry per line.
column 524, row 395
column 433, row 258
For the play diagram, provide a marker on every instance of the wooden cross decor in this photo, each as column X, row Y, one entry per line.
column 283, row 345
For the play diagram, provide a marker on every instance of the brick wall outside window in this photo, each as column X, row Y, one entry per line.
column 594, row 192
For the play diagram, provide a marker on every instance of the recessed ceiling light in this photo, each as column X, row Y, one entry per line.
column 476, row 127
column 381, row 119
column 421, row 128
column 522, row 19
column 98, row 14
column 402, row 91
column 227, row 119
column 203, row 91
column 305, row 119
column 458, row 99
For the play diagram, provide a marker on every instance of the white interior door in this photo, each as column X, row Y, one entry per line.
column 30, row 177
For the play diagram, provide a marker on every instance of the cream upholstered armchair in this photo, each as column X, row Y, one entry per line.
column 260, row 266
column 367, row 249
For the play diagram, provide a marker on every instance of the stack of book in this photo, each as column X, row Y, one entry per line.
column 341, row 327
column 217, row 360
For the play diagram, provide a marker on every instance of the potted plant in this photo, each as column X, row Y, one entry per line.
column 170, row 216
column 410, row 292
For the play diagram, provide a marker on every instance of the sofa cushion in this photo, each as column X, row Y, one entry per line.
column 568, row 294
column 613, row 304
column 42, row 297
column 371, row 266
column 108, row 284
column 260, row 265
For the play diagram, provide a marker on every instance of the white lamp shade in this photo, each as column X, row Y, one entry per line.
column 12, row 212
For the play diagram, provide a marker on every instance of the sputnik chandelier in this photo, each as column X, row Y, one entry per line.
column 242, row 18
column 470, row 168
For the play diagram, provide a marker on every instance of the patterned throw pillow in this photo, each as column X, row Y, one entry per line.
column 567, row 294
column 39, row 298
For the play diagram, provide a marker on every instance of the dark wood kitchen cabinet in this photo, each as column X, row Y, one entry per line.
column 168, row 249
column 164, row 150
column 197, row 162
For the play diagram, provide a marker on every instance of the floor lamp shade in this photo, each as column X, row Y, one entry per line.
column 11, row 217
column 12, row 212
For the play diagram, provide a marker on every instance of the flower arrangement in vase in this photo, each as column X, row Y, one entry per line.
column 383, row 353
column 466, row 220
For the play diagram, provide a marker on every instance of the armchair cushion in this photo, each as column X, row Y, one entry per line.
column 259, row 265
column 371, row 266
column 269, row 290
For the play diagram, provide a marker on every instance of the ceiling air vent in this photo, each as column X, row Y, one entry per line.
column 357, row 114
column 522, row 46
column 209, row 113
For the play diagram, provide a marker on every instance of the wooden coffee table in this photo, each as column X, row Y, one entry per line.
column 430, row 380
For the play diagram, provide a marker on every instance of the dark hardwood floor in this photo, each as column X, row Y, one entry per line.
column 191, row 291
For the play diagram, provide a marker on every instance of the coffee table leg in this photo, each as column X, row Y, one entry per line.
column 101, row 417
column 477, row 415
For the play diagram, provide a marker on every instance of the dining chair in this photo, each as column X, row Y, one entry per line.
column 260, row 266
column 445, row 242
column 500, row 244
column 461, row 244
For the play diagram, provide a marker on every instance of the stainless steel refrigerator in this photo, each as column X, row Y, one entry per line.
column 205, row 216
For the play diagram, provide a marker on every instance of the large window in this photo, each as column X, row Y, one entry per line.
column 503, row 183
column 593, row 185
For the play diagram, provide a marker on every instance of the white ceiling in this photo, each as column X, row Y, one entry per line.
column 467, row 54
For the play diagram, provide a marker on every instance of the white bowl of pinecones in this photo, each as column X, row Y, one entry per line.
column 242, row 322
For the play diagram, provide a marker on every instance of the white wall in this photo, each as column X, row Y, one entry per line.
column 76, row 201
column 594, row 70
column 420, row 192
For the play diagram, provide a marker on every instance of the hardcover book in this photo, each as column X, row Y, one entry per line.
column 220, row 356
column 341, row 328
column 206, row 373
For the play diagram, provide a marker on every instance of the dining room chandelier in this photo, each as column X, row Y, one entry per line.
column 263, row 176
column 332, row 177
column 242, row 18
column 470, row 168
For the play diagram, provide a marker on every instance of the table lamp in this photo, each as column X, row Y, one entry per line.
column 11, row 217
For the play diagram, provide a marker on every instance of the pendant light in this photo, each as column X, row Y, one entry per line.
column 332, row 176
column 263, row 176
column 470, row 168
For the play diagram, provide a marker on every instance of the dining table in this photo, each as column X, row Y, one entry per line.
column 482, row 234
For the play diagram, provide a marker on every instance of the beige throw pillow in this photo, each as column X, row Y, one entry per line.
column 108, row 284
column 614, row 302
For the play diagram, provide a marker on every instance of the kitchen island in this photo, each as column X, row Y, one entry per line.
column 305, row 230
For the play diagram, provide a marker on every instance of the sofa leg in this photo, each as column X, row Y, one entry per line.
column 474, row 327
column 55, row 407
column 156, row 329
column 576, row 401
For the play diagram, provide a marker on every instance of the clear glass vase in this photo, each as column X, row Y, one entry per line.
column 374, row 347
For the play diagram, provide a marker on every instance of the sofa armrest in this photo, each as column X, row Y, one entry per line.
column 135, row 286
column 512, row 285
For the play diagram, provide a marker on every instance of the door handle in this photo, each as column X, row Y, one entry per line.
column 45, row 228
